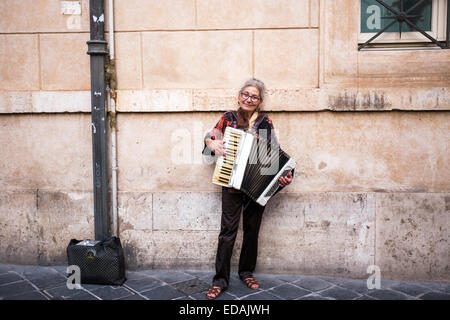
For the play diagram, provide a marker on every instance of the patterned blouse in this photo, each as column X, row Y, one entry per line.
column 263, row 127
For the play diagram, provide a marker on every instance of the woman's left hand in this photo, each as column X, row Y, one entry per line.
column 284, row 181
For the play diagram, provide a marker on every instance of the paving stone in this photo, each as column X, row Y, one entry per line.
column 16, row 288
column 359, row 286
column 48, row 282
column 288, row 291
column 202, row 275
column 33, row 295
column 184, row 298
column 263, row 295
column 364, row 297
column 162, row 293
column 91, row 287
column 190, row 287
column 171, row 276
column 134, row 275
column 4, row 268
column 339, row 293
column 313, row 297
column 133, row 297
column 82, row 295
column 36, row 272
column 110, row 293
column 62, row 270
column 436, row 286
column 288, row 277
column 239, row 289
column 9, row 277
column 268, row 281
column 384, row 294
column 313, row 284
column 44, row 277
column 62, row 292
column 332, row 280
column 224, row 296
column 410, row 289
column 143, row 284
column 435, row 296
column 386, row 284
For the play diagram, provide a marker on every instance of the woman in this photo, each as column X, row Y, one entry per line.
column 248, row 118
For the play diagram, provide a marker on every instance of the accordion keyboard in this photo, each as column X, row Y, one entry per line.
column 224, row 165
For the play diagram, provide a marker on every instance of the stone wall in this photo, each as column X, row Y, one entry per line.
column 369, row 131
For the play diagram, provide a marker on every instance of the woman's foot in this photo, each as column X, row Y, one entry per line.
column 251, row 283
column 213, row 292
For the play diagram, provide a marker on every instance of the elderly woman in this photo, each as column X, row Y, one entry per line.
column 248, row 118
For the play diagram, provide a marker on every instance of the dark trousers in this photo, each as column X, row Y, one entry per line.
column 232, row 204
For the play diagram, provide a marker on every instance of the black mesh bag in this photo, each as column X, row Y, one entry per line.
column 100, row 262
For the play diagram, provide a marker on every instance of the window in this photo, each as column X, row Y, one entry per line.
column 398, row 22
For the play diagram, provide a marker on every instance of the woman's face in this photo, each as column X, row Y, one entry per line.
column 249, row 99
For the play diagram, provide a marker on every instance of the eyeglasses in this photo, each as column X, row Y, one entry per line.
column 245, row 96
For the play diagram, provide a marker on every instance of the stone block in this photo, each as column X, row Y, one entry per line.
column 168, row 100
column 63, row 69
column 287, row 58
column 16, row 101
column 19, row 62
column 339, row 46
column 41, row 16
column 19, row 227
column 166, row 249
column 376, row 152
column 314, row 13
column 215, row 99
column 187, row 211
column 412, row 235
column 310, row 222
column 169, row 148
column 135, row 211
column 63, row 216
column 61, row 101
column 132, row 15
column 128, row 50
column 416, row 66
column 48, row 152
column 209, row 59
column 236, row 14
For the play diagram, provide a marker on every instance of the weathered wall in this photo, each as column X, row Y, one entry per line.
column 369, row 130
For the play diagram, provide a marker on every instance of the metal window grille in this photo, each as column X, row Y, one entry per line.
column 404, row 16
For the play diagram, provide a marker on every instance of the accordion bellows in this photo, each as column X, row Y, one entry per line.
column 251, row 165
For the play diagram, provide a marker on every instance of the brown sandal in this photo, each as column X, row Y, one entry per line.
column 251, row 282
column 213, row 292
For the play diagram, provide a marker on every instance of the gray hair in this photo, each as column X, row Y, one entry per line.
column 258, row 84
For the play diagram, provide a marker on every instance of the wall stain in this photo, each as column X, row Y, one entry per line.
column 356, row 101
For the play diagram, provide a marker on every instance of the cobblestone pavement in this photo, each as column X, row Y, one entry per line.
column 19, row 282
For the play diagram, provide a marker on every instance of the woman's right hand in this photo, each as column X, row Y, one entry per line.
column 216, row 146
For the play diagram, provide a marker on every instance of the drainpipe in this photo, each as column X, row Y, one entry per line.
column 112, row 117
column 97, row 49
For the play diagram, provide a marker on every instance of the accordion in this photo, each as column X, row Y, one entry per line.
column 251, row 165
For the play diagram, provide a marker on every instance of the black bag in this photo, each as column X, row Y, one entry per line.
column 100, row 262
